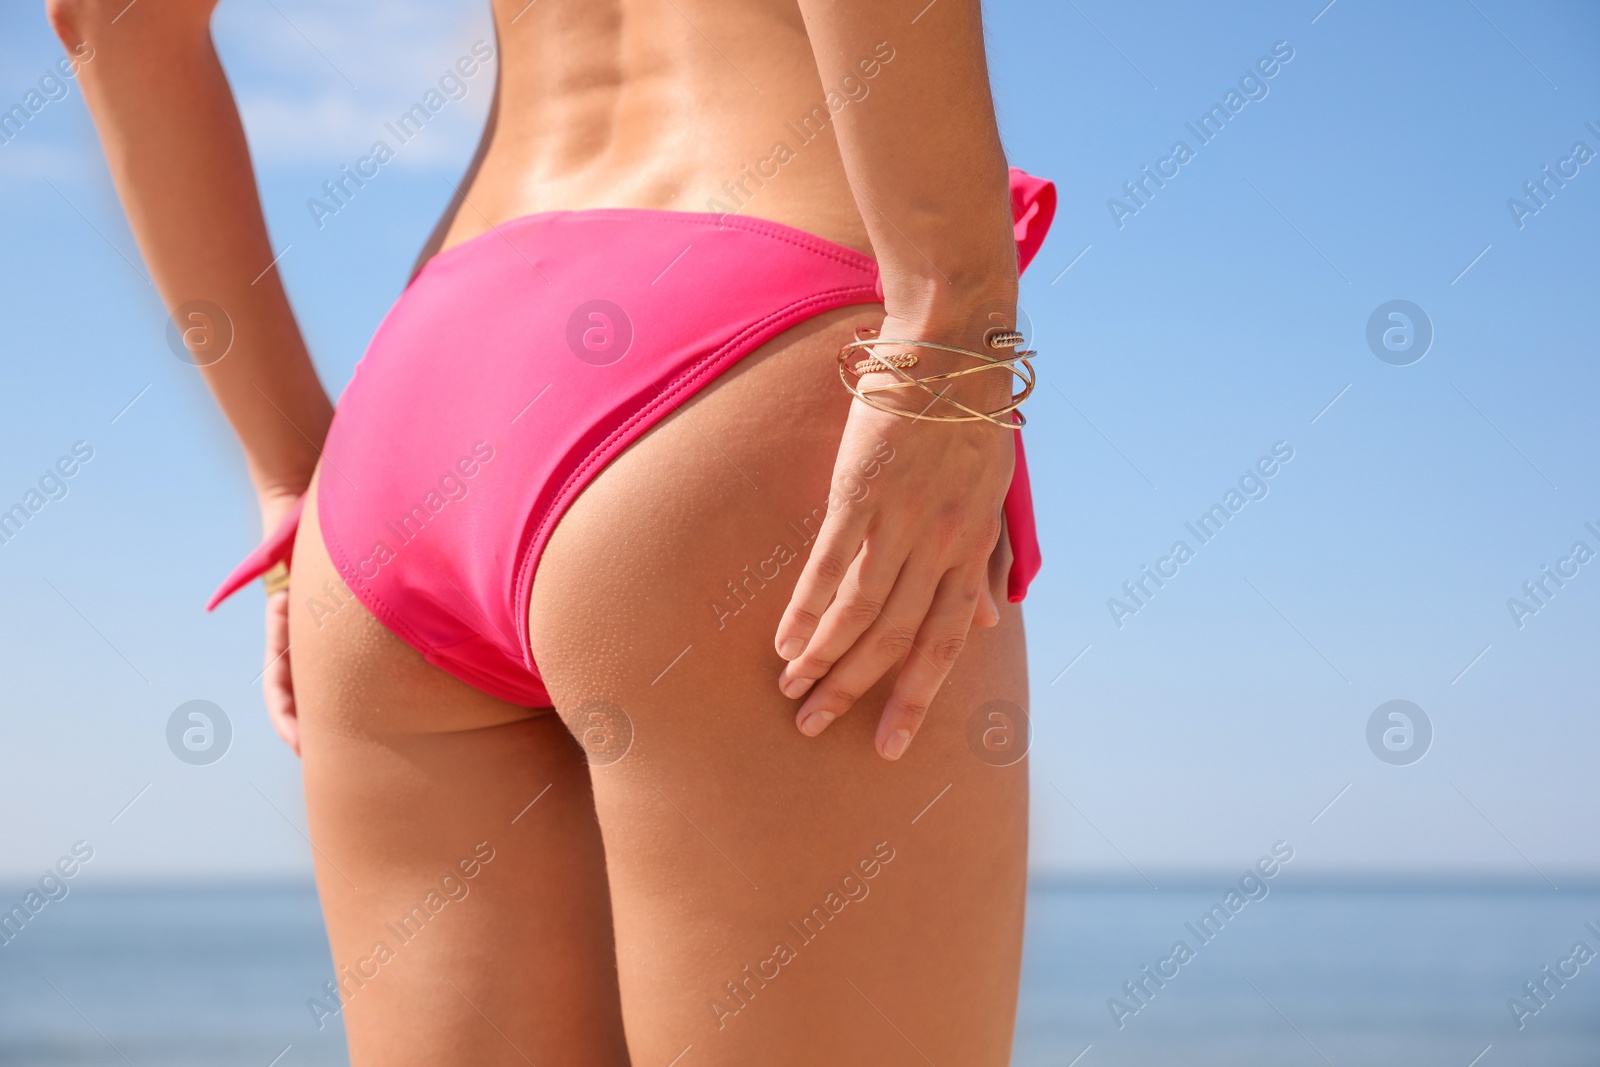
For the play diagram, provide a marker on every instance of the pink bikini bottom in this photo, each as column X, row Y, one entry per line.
column 516, row 365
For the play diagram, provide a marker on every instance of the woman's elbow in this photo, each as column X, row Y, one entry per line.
column 82, row 24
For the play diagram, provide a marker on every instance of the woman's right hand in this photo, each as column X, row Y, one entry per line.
column 899, row 575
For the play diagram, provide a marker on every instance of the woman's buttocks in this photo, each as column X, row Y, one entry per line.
column 696, row 105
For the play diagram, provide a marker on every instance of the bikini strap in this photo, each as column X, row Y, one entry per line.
column 277, row 548
column 1033, row 208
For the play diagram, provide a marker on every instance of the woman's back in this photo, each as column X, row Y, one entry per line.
column 684, row 105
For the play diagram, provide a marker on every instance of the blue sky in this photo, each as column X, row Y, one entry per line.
column 1228, row 314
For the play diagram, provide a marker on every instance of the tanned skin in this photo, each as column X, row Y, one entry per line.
column 605, row 927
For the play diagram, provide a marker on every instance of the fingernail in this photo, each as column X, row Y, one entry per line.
column 816, row 722
column 895, row 746
column 796, row 687
column 791, row 648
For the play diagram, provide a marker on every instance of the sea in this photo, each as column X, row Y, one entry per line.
column 1369, row 974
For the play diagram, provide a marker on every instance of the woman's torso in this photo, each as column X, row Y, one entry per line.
column 680, row 105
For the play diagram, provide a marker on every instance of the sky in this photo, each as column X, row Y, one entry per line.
column 1231, row 317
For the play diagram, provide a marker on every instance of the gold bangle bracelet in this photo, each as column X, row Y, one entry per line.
column 276, row 578
column 875, row 362
column 1015, row 363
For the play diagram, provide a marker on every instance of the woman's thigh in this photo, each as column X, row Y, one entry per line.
column 777, row 900
column 457, row 856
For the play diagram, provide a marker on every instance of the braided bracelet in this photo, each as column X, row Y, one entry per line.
column 898, row 363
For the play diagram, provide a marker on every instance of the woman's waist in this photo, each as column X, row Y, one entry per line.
column 781, row 177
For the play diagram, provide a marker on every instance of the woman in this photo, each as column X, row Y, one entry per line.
column 597, row 547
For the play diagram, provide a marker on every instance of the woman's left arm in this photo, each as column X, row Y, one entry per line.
column 177, row 152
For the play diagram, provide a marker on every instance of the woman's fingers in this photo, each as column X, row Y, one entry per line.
column 857, row 606
column 994, row 590
column 277, row 682
column 874, row 652
column 838, row 543
column 896, row 582
column 988, row 613
column 938, row 642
